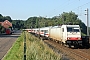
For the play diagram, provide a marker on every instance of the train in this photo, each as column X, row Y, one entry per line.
column 68, row 35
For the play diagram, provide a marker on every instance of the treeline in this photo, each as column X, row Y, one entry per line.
column 36, row 22
column 64, row 18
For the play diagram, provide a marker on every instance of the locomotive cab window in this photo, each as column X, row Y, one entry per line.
column 62, row 29
column 41, row 30
column 46, row 31
column 37, row 30
column 72, row 29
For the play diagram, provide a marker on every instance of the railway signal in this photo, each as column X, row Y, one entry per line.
column 87, row 21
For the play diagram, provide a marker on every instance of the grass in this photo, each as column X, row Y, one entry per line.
column 37, row 50
column 16, row 52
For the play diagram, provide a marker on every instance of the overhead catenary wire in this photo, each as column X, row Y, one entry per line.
column 81, row 5
column 64, row 3
column 79, row 8
column 63, row 6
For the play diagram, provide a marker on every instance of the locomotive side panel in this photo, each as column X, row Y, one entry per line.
column 55, row 33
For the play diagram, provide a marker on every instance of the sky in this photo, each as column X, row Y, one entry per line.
column 23, row 9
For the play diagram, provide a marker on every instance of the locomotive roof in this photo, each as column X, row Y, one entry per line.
column 71, row 25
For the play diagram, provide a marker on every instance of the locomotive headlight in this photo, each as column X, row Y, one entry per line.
column 68, row 38
column 79, row 38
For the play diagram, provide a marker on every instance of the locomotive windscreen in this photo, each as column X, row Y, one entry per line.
column 73, row 29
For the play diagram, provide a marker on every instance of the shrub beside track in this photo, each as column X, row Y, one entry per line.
column 37, row 50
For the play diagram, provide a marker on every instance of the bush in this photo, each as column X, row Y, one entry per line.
column 37, row 50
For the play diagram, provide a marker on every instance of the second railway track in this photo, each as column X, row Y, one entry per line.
column 74, row 54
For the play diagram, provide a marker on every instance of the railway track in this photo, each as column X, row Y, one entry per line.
column 74, row 54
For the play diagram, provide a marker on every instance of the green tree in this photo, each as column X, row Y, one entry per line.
column 1, row 18
column 8, row 18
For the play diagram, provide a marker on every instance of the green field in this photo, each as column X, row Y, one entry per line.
column 35, row 49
